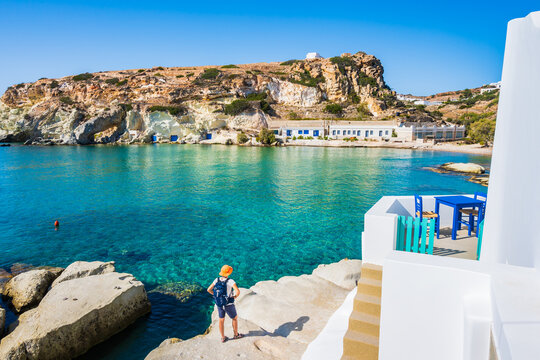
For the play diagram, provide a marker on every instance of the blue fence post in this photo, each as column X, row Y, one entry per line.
column 402, row 233
column 409, row 234
column 416, row 234
column 432, row 228
column 424, row 236
column 480, row 234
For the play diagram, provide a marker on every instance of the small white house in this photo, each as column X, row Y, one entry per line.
column 313, row 55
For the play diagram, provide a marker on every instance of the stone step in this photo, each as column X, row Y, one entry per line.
column 364, row 323
column 369, row 286
column 357, row 345
column 371, row 271
column 367, row 304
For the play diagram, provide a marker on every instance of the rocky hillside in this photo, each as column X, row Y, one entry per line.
column 132, row 105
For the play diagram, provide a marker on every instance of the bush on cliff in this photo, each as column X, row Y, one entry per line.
column 230, row 66
column 335, row 109
column 256, row 96
column 266, row 137
column 210, row 74
column 67, row 100
column 483, row 131
column 82, row 77
column 364, row 80
column 265, row 106
column 173, row 110
column 53, row 84
column 112, row 81
column 290, row 62
column 306, row 79
column 121, row 83
column 242, row 138
column 237, row 107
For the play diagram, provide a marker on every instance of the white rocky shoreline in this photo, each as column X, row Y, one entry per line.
column 279, row 318
column 60, row 318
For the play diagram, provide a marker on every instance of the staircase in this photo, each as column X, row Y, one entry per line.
column 362, row 338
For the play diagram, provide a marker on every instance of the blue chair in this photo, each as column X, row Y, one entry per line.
column 474, row 216
column 419, row 211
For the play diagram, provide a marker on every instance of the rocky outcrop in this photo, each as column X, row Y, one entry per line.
column 80, row 269
column 133, row 105
column 74, row 316
column 279, row 318
column 469, row 168
column 180, row 290
column 27, row 289
column 2, row 321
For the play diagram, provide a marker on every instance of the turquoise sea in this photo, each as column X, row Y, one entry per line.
column 168, row 213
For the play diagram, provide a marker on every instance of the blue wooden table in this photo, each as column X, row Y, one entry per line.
column 456, row 202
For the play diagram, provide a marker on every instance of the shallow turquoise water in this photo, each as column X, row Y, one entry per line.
column 177, row 213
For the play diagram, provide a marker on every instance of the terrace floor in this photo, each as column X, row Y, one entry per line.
column 463, row 247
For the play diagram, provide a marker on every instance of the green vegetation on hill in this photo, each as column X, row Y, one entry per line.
column 230, row 66
column 210, row 74
column 67, row 100
column 256, row 96
column 364, row 80
column 335, row 109
column 53, row 84
column 82, row 77
column 306, row 79
column 242, row 138
column 173, row 110
column 290, row 62
column 480, row 127
column 112, row 81
column 237, row 106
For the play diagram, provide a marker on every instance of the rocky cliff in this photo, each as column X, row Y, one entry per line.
column 133, row 105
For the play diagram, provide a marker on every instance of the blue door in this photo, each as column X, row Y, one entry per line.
column 154, row 138
column 174, row 137
column 208, row 136
column 289, row 132
column 315, row 132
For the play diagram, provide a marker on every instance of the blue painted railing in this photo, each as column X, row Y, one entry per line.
column 415, row 235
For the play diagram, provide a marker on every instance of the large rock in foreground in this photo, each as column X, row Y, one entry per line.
column 28, row 288
column 279, row 318
column 469, row 168
column 80, row 269
column 76, row 315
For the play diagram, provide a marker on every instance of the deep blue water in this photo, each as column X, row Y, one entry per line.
column 177, row 213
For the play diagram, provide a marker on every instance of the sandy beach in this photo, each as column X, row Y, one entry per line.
column 449, row 147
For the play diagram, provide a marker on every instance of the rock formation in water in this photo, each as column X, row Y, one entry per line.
column 89, row 304
column 279, row 318
column 133, row 105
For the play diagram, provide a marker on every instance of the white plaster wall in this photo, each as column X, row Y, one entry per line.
column 425, row 309
column 511, row 233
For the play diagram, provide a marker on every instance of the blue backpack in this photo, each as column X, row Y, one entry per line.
column 220, row 293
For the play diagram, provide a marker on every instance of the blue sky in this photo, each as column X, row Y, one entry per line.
column 425, row 47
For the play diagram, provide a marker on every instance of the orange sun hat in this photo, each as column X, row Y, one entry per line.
column 226, row 270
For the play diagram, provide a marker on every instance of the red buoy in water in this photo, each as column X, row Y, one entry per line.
column 56, row 223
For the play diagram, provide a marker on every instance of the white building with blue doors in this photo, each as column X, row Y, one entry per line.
column 363, row 130
column 296, row 131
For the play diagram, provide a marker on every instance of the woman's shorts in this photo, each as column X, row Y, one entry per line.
column 229, row 309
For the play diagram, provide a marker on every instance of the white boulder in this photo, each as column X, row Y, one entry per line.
column 345, row 273
column 28, row 288
column 80, row 269
column 469, row 168
column 74, row 316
